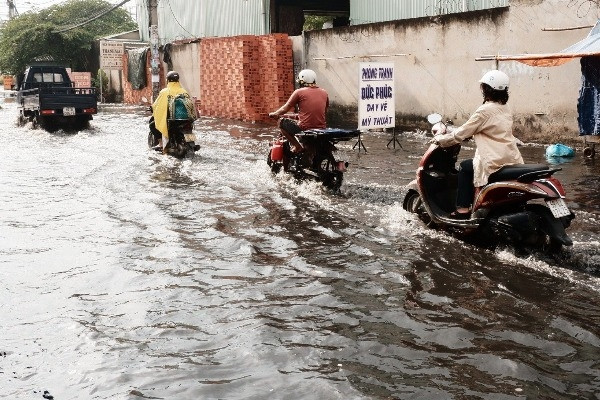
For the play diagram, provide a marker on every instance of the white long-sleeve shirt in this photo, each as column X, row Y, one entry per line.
column 491, row 128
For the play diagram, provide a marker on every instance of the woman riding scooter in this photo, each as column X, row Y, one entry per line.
column 491, row 128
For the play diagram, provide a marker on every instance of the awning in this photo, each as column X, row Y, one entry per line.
column 590, row 46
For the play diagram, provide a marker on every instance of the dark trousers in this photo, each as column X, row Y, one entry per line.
column 466, row 189
column 290, row 126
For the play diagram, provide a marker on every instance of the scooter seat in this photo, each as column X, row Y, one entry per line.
column 512, row 172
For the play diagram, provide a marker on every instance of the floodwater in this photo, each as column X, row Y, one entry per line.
column 131, row 275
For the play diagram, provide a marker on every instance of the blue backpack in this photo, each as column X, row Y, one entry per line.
column 182, row 107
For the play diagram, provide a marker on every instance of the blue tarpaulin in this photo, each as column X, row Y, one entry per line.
column 588, row 104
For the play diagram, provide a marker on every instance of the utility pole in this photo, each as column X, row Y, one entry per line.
column 155, row 59
column 12, row 9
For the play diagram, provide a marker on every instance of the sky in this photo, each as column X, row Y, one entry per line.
column 31, row 5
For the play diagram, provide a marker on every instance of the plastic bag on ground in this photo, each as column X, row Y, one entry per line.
column 559, row 150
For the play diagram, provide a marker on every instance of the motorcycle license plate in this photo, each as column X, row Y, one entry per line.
column 558, row 207
column 190, row 137
column 68, row 111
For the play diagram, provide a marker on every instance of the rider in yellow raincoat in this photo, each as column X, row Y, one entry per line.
column 160, row 108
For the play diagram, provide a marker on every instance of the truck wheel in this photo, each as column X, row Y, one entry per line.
column 47, row 123
column 81, row 123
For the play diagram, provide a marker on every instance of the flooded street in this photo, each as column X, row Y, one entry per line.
column 129, row 275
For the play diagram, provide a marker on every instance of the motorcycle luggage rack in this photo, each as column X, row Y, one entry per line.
column 336, row 135
column 333, row 134
column 178, row 122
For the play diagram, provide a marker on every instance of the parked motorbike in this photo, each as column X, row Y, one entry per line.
column 522, row 204
column 182, row 139
column 317, row 161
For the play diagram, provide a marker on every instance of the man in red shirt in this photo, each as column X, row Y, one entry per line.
column 312, row 102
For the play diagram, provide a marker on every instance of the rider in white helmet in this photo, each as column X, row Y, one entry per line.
column 312, row 102
column 491, row 128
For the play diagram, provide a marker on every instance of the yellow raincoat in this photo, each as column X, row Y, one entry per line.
column 161, row 106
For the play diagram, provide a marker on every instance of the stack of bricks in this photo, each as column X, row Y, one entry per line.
column 245, row 77
column 277, row 72
column 224, row 74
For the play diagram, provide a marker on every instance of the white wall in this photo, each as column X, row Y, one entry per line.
column 439, row 71
column 186, row 61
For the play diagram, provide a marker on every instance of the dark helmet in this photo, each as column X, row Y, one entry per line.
column 173, row 76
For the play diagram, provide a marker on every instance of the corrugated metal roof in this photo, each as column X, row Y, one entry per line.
column 141, row 12
column 368, row 11
column 182, row 19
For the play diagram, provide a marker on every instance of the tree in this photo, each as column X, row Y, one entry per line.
column 42, row 34
column 315, row 22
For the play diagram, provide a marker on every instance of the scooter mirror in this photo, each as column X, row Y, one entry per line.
column 434, row 118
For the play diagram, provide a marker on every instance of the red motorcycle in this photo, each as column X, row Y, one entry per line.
column 523, row 204
column 317, row 162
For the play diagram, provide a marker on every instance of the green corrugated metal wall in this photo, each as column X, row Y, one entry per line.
column 183, row 19
column 368, row 11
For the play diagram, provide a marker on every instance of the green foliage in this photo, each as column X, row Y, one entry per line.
column 101, row 78
column 315, row 22
column 34, row 35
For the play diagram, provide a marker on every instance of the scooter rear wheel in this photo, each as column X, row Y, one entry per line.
column 550, row 232
column 333, row 180
column 330, row 176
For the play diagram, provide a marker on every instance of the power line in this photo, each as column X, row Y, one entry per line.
column 176, row 20
column 71, row 27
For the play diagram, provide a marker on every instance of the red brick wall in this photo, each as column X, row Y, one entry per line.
column 241, row 77
column 245, row 77
column 131, row 96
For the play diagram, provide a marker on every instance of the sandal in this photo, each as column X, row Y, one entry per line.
column 460, row 215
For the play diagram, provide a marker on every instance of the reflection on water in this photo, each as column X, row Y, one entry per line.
column 132, row 275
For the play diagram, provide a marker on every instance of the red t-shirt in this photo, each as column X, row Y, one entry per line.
column 312, row 102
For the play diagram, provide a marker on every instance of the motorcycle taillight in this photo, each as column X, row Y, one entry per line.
column 557, row 185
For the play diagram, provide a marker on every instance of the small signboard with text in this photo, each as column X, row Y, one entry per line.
column 376, row 103
column 111, row 55
column 81, row 79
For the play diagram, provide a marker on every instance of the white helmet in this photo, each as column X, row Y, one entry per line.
column 497, row 80
column 307, row 76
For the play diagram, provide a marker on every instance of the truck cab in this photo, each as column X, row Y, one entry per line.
column 44, row 76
